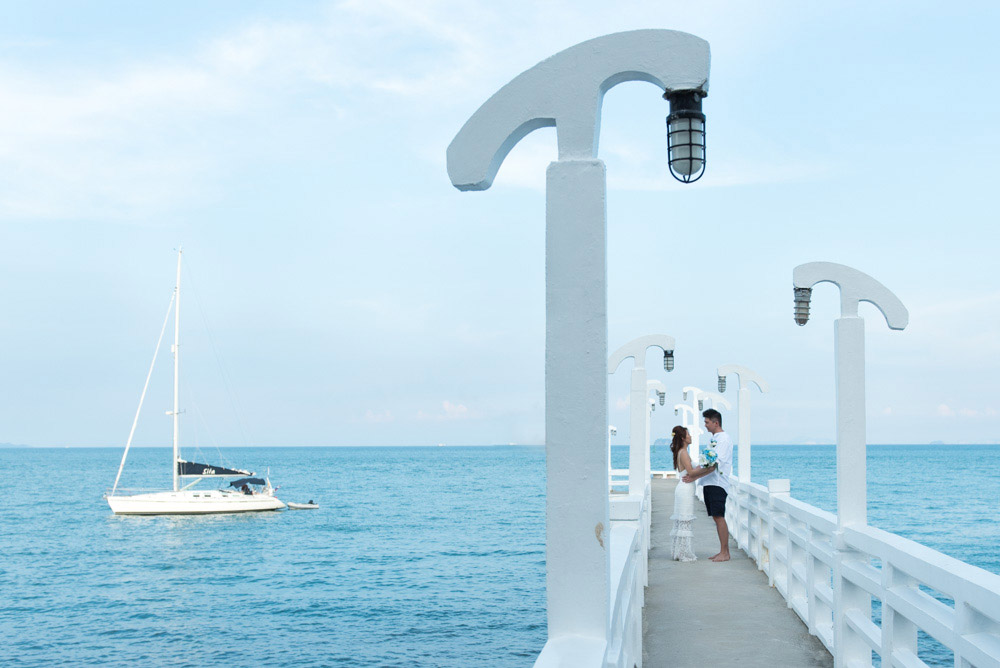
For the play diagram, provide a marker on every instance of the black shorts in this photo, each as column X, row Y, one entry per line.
column 715, row 500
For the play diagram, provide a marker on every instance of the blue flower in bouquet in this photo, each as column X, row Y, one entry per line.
column 709, row 456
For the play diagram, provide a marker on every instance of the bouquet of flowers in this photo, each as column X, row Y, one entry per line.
column 709, row 457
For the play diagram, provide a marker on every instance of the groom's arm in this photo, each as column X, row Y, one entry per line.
column 699, row 472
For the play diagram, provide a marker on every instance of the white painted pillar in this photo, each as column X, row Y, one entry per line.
column 638, row 433
column 743, row 434
column 576, row 352
column 649, row 430
column 566, row 91
column 852, row 449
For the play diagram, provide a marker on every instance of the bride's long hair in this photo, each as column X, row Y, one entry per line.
column 677, row 444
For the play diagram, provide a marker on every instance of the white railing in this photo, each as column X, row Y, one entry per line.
column 625, row 632
column 629, row 575
column 829, row 578
column 628, row 543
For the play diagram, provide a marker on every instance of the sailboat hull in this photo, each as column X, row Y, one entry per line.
column 190, row 502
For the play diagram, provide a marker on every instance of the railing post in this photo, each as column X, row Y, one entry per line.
column 818, row 573
column 850, row 649
column 733, row 510
column 898, row 632
column 780, row 488
column 758, row 546
column 743, row 520
column 577, row 526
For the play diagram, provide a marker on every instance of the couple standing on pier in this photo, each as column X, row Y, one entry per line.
column 714, row 481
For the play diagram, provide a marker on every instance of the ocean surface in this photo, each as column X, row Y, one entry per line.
column 416, row 556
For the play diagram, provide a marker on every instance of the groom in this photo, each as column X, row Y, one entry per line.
column 714, row 481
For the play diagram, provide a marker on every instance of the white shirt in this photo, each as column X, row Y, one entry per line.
column 724, row 447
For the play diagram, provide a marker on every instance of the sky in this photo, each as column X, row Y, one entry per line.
column 339, row 291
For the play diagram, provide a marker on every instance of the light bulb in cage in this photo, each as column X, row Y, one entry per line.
column 685, row 135
column 652, row 405
column 668, row 360
column 722, row 383
column 612, row 431
column 802, row 297
column 663, row 397
column 701, row 404
column 684, row 395
column 675, row 412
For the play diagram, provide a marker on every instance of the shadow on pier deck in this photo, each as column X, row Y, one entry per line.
column 708, row 614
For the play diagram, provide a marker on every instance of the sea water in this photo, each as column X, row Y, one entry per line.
column 416, row 556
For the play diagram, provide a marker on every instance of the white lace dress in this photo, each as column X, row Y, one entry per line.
column 683, row 518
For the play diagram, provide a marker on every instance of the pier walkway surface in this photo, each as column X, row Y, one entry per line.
column 716, row 614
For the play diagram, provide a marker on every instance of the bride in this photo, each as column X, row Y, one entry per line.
column 683, row 516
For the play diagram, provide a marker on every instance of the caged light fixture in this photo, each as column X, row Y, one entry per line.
column 668, row 360
column 701, row 404
column 662, row 396
column 722, row 383
column 802, row 297
column 685, row 135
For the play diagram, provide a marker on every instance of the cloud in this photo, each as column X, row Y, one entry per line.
column 887, row 410
column 379, row 416
column 622, row 403
column 449, row 411
column 134, row 138
column 945, row 411
column 131, row 139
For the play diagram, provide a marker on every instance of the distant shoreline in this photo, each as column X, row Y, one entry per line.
column 9, row 446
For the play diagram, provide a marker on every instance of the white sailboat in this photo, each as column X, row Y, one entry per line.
column 248, row 494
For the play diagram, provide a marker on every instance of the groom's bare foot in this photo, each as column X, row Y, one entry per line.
column 720, row 557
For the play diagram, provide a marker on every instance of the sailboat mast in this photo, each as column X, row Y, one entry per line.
column 176, row 351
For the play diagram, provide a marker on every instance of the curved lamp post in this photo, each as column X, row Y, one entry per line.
column 660, row 391
column 696, row 408
column 638, row 451
column 744, row 378
column 698, row 399
column 849, row 352
column 566, row 91
column 689, row 420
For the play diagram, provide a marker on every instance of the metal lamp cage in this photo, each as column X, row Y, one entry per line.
column 685, row 135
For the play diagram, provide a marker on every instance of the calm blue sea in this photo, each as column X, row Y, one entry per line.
column 416, row 557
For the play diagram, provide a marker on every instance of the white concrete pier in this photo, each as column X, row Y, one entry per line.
column 709, row 614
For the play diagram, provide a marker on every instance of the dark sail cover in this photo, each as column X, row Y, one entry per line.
column 194, row 469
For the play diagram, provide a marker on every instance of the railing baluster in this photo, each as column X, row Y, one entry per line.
column 899, row 634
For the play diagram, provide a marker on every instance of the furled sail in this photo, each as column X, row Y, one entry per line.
column 194, row 469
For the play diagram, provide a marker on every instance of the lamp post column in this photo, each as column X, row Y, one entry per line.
column 576, row 353
column 852, row 449
column 638, row 458
column 661, row 393
column 743, row 433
